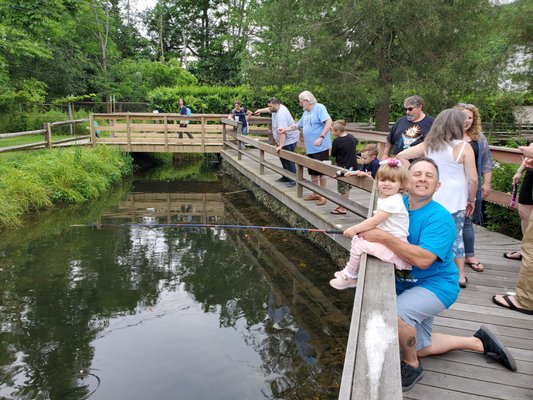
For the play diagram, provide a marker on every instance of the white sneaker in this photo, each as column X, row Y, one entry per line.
column 342, row 282
column 337, row 274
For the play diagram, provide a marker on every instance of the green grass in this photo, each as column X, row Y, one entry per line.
column 37, row 179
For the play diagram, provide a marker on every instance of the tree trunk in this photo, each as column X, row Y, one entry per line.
column 384, row 96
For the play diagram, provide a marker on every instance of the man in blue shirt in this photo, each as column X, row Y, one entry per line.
column 431, row 286
column 315, row 124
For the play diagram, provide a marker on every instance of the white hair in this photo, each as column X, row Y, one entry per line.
column 307, row 95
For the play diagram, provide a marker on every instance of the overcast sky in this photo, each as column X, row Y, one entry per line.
column 144, row 4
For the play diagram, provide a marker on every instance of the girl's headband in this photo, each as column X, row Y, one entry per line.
column 391, row 162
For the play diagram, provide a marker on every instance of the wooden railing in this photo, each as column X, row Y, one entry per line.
column 44, row 137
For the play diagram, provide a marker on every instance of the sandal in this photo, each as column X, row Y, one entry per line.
column 513, row 255
column 338, row 212
column 476, row 266
column 510, row 305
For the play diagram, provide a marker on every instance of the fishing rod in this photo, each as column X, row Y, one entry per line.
column 187, row 225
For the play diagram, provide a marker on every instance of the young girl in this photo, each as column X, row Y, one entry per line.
column 390, row 215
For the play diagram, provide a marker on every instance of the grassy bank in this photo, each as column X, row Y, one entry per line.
column 37, row 179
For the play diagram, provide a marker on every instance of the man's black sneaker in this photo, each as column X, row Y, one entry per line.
column 282, row 179
column 410, row 375
column 494, row 348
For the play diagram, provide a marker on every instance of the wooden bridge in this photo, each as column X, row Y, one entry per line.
column 456, row 375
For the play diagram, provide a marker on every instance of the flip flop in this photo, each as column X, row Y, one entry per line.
column 513, row 255
column 510, row 305
column 463, row 284
column 337, row 212
column 478, row 267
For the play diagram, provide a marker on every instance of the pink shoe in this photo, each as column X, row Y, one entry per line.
column 342, row 282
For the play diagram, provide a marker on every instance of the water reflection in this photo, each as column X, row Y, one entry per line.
column 140, row 312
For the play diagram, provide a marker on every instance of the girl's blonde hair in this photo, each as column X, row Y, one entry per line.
column 475, row 129
column 339, row 125
column 395, row 173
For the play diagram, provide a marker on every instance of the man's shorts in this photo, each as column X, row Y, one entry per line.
column 321, row 156
column 418, row 307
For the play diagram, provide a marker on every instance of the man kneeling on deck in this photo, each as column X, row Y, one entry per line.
column 431, row 286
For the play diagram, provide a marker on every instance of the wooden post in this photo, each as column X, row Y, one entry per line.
column 204, row 122
column 261, row 162
column 299, row 177
column 48, row 135
column 239, row 132
column 128, row 130
column 224, row 135
column 165, row 121
column 70, row 117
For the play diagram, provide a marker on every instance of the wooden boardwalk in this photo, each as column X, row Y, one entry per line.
column 459, row 374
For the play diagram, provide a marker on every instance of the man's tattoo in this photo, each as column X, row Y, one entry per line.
column 411, row 341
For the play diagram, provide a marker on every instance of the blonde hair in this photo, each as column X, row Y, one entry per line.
column 371, row 149
column 475, row 129
column 339, row 125
column 396, row 173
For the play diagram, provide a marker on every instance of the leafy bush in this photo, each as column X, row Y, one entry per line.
column 201, row 99
column 133, row 79
column 498, row 218
column 33, row 180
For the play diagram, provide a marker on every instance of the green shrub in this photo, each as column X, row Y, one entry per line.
column 499, row 218
column 33, row 180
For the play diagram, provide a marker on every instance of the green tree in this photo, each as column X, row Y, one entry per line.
column 375, row 50
column 132, row 80
column 210, row 35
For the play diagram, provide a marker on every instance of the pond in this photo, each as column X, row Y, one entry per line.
column 125, row 310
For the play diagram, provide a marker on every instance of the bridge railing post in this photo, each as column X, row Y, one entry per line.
column 239, row 143
column 128, row 131
column 165, row 122
column 204, row 122
column 261, row 162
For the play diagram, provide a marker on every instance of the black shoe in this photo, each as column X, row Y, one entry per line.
column 494, row 348
column 282, row 179
column 410, row 375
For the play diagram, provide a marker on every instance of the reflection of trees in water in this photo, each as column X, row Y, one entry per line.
column 58, row 290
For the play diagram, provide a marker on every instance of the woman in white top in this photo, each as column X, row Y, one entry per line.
column 457, row 170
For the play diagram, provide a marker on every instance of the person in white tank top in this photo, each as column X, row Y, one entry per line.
column 457, row 170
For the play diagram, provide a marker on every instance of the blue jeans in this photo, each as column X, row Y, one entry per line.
column 289, row 165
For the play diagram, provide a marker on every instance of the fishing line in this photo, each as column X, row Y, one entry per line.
column 188, row 225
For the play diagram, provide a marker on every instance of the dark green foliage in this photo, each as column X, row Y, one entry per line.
column 503, row 219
